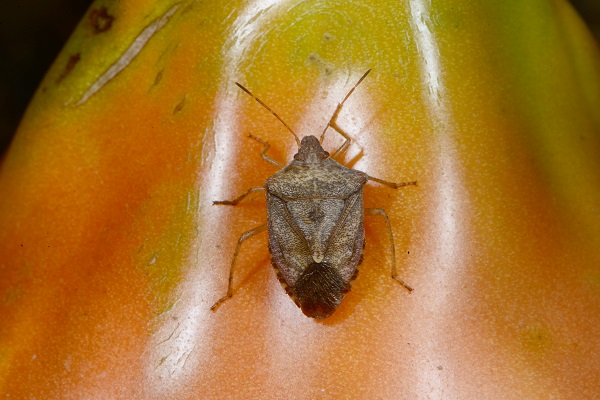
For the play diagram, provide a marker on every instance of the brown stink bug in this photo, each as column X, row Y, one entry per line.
column 315, row 221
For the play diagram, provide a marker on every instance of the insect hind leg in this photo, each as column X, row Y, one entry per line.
column 246, row 235
column 381, row 212
column 393, row 185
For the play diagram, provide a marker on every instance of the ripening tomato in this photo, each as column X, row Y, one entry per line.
column 112, row 252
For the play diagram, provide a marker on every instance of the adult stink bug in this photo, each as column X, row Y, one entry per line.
column 315, row 221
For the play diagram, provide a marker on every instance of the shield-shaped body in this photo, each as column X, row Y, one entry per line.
column 315, row 222
column 316, row 231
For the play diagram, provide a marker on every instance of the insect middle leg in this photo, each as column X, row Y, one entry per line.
column 235, row 201
column 393, row 185
column 245, row 235
column 382, row 213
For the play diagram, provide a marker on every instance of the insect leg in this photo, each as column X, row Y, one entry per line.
column 239, row 198
column 334, row 125
column 381, row 212
column 245, row 235
column 333, row 120
column 392, row 184
column 264, row 156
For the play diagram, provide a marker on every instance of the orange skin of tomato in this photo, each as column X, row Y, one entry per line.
column 111, row 252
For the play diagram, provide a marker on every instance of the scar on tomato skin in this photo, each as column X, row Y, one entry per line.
column 73, row 60
column 101, row 20
column 328, row 37
column 316, row 59
column 179, row 106
column 132, row 51
column 158, row 78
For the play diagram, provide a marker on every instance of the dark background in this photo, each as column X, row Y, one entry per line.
column 32, row 33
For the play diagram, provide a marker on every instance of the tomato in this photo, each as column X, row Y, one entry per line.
column 112, row 253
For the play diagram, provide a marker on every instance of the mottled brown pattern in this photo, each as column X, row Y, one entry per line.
column 315, row 221
column 320, row 290
column 316, row 231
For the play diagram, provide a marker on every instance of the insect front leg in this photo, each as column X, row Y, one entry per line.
column 245, row 235
column 239, row 198
column 333, row 120
column 333, row 123
column 266, row 147
column 382, row 213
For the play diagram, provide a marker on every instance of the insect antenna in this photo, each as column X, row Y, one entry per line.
column 272, row 112
column 339, row 106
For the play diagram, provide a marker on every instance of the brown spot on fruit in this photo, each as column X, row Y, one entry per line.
column 158, row 78
column 180, row 105
column 73, row 60
column 101, row 20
